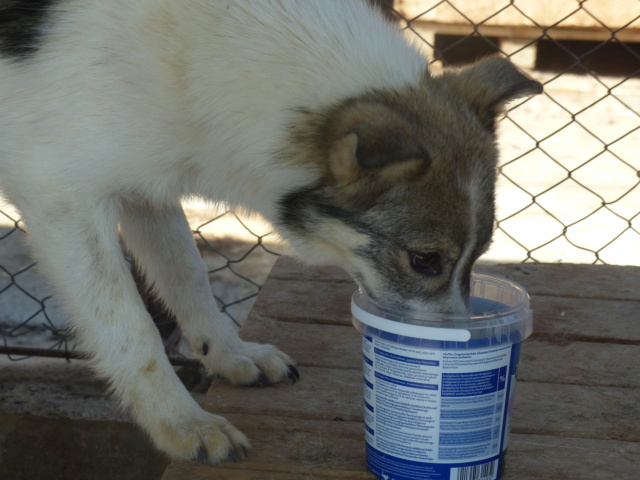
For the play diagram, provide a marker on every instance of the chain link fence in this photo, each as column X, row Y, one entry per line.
column 238, row 251
column 569, row 188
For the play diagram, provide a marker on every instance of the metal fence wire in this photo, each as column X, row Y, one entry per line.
column 570, row 169
column 239, row 253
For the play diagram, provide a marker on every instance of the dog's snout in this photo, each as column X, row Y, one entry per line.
column 464, row 308
column 457, row 302
column 457, row 306
column 451, row 304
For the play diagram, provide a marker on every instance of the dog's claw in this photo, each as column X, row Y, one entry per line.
column 293, row 374
column 202, row 455
column 233, row 456
column 261, row 381
column 244, row 452
column 238, row 454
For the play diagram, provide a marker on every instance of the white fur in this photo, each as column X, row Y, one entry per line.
column 457, row 300
column 132, row 104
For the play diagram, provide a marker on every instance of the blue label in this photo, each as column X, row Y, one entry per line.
column 393, row 468
column 508, row 407
column 465, row 413
column 368, row 384
column 404, row 383
column 436, row 415
column 470, row 384
column 466, row 438
column 401, row 358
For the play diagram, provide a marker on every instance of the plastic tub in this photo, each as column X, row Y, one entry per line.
column 438, row 388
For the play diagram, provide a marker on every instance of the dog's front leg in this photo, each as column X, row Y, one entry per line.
column 162, row 243
column 77, row 246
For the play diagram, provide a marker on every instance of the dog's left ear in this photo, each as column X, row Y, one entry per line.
column 489, row 85
column 374, row 140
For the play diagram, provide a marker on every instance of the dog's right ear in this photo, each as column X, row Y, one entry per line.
column 489, row 85
column 374, row 141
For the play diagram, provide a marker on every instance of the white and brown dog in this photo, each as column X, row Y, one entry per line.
column 318, row 114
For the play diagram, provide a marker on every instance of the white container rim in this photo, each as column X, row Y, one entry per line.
column 516, row 313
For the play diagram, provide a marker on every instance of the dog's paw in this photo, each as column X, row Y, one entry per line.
column 252, row 364
column 205, row 438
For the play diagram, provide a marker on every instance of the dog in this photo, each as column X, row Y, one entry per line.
column 318, row 114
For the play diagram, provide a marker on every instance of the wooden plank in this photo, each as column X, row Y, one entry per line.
column 288, row 268
column 561, row 315
column 194, row 471
column 567, row 319
column 291, row 448
column 329, row 450
column 535, row 457
column 328, row 394
column 606, row 413
column 555, row 361
column 604, row 292
column 579, row 363
column 608, row 282
column 307, row 301
column 320, row 394
column 309, row 344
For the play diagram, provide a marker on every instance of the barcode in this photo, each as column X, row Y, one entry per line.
column 485, row 471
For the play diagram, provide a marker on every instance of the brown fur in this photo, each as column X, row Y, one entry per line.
column 411, row 169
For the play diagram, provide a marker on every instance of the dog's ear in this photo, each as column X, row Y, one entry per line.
column 489, row 85
column 374, row 140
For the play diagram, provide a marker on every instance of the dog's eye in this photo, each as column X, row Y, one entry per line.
column 426, row 263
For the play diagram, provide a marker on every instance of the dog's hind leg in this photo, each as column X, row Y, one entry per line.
column 162, row 243
column 78, row 247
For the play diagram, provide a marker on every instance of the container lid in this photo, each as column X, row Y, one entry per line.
column 500, row 311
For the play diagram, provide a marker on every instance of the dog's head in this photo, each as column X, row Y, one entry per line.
column 405, row 198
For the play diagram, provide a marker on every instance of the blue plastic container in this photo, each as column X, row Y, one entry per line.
column 438, row 388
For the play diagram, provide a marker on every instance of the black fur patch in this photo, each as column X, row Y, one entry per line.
column 21, row 26
column 304, row 207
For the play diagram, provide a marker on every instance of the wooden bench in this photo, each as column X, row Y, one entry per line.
column 577, row 410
